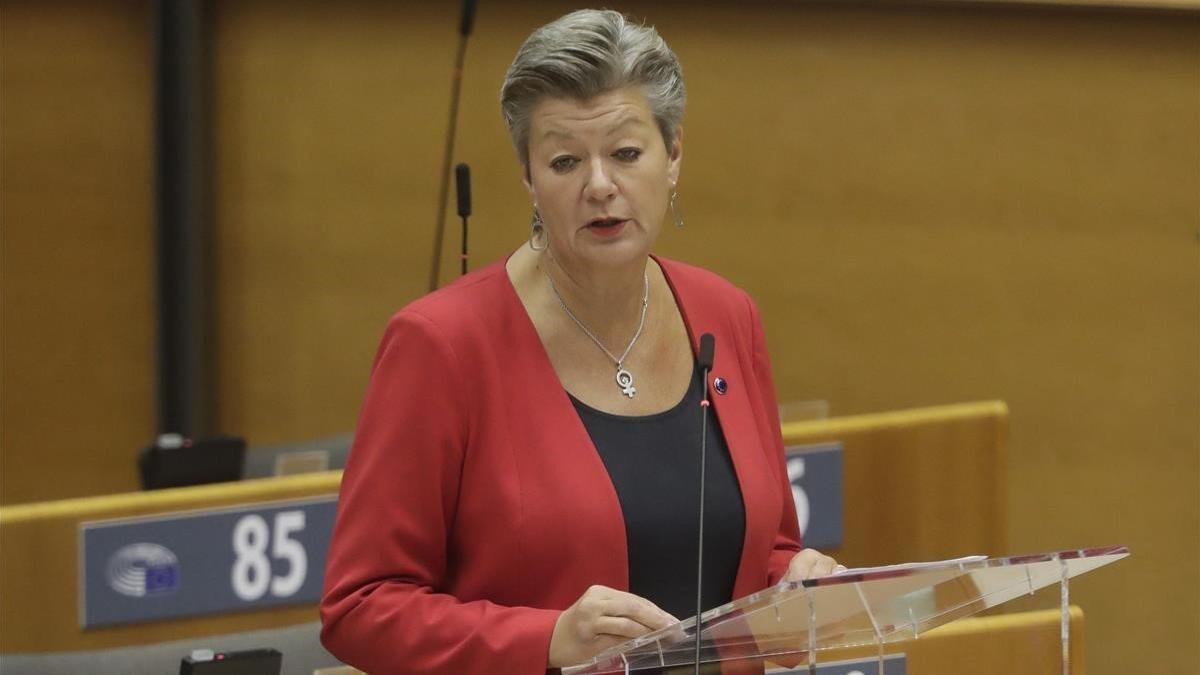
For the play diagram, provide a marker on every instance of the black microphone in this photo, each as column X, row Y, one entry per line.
column 705, row 361
column 708, row 348
column 462, row 181
column 465, row 25
column 468, row 18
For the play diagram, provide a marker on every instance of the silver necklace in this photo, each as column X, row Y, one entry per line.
column 624, row 377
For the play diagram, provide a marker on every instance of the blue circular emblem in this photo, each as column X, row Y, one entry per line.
column 142, row 569
column 720, row 385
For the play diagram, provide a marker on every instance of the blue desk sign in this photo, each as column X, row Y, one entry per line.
column 192, row 563
column 893, row 664
column 815, row 472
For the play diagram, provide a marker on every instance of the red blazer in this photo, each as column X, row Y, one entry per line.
column 474, row 507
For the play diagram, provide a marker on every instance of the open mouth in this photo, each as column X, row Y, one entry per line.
column 606, row 224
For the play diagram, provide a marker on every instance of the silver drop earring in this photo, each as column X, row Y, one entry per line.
column 676, row 212
column 536, row 231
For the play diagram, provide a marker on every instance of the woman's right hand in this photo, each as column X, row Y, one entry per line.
column 601, row 618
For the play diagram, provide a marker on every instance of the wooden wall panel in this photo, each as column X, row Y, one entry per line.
column 924, row 484
column 76, row 379
column 325, row 139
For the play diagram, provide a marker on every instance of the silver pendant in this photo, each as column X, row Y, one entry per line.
column 625, row 382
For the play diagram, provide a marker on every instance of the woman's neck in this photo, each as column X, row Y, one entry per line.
column 607, row 299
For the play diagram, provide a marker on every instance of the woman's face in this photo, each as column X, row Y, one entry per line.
column 601, row 176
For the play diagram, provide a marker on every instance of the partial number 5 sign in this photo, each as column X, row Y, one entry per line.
column 795, row 469
column 815, row 474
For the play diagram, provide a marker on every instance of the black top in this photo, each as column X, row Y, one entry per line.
column 654, row 464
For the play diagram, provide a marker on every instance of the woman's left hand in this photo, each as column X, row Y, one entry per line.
column 811, row 563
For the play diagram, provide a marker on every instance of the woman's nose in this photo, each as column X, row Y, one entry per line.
column 600, row 185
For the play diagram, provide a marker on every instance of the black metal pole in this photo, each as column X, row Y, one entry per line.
column 179, row 217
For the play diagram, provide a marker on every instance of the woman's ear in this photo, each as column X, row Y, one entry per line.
column 527, row 181
column 675, row 156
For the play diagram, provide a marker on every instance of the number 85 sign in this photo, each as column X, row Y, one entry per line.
column 204, row 562
column 252, row 574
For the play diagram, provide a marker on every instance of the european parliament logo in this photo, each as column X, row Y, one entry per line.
column 142, row 569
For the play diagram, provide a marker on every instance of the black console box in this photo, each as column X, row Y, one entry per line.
column 249, row 662
column 175, row 461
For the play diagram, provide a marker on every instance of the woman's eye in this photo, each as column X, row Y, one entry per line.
column 561, row 164
column 628, row 154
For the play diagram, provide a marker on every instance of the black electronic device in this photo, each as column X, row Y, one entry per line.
column 174, row 460
column 248, row 662
column 462, row 180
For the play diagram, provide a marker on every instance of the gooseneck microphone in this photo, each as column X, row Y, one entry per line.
column 705, row 361
column 462, row 183
column 465, row 25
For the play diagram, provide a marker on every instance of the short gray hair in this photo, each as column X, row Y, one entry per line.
column 585, row 54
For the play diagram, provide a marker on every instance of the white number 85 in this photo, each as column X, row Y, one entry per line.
column 252, row 569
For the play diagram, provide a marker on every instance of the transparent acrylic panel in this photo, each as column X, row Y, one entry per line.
column 859, row 607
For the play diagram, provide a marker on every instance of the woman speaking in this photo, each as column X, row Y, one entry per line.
column 523, row 486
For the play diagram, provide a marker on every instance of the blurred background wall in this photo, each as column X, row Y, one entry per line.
column 932, row 202
column 77, row 239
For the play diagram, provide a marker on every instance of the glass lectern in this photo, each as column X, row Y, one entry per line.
column 795, row 622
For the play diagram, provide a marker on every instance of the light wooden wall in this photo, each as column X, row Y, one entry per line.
column 932, row 203
column 923, row 484
column 76, row 168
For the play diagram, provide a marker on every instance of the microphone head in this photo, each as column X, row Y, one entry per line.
column 462, row 181
column 708, row 350
column 468, row 17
